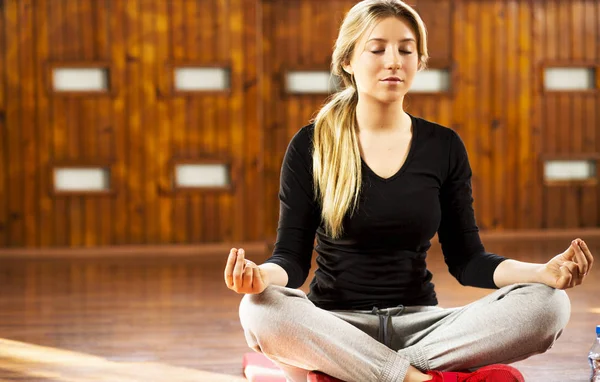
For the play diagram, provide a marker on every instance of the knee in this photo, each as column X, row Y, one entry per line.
column 264, row 313
column 550, row 310
column 553, row 307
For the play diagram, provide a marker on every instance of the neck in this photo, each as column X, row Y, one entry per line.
column 376, row 116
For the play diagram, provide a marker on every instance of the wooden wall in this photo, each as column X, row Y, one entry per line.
column 139, row 131
column 495, row 48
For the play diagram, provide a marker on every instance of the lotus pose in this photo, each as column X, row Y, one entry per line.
column 374, row 184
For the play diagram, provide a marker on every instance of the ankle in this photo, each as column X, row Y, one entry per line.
column 414, row 375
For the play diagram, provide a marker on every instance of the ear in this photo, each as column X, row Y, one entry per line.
column 347, row 68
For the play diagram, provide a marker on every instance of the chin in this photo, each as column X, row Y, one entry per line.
column 391, row 98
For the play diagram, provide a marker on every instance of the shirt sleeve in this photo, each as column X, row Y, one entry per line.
column 299, row 216
column 458, row 233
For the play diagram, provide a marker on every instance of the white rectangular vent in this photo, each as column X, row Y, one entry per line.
column 569, row 79
column 86, row 179
column 201, row 175
column 311, row 82
column 431, row 81
column 201, row 79
column 80, row 79
column 563, row 170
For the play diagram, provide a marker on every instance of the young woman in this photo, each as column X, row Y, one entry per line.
column 374, row 184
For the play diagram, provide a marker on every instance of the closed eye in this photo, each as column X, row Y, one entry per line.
column 381, row 51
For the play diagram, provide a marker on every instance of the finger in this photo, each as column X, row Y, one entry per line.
column 247, row 281
column 228, row 274
column 574, row 271
column 565, row 278
column 588, row 255
column 580, row 259
column 569, row 254
column 238, row 270
column 258, row 283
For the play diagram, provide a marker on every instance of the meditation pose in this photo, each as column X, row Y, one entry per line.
column 374, row 184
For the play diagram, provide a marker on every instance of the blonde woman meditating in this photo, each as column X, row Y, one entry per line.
column 375, row 184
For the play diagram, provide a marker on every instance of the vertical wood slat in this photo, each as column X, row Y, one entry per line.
column 164, row 126
column 510, row 104
column 216, row 207
column 194, row 22
column 525, row 162
column 575, row 209
column 227, row 206
column 483, row 167
column 180, row 226
column 538, row 43
column 135, row 148
column 46, row 206
column 58, row 121
column 29, row 137
column 117, row 32
column 590, row 194
column 499, row 134
column 253, row 137
column 567, row 136
column 589, row 49
column 102, row 12
column 73, row 51
column 148, row 130
column 16, row 226
column 4, row 240
column 269, row 42
column 236, row 122
column 471, row 131
column 554, row 195
column 292, row 56
column 88, row 124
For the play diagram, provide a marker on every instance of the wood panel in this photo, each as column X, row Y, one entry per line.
column 4, row 241
column 139, row 129
column 14, row 157
column 497, row 50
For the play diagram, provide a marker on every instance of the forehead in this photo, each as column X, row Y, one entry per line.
column 392, row 29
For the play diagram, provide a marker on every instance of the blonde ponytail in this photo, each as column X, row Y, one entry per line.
column 336, row 158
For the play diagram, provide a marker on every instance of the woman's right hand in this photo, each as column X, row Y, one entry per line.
column 244, row 276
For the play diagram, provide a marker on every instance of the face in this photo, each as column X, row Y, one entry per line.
column 385, row 61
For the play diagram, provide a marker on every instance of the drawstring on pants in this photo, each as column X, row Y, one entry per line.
column 385, row 322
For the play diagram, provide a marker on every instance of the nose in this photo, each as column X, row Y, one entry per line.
column 393, row 60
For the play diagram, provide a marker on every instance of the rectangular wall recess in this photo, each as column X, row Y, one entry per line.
column 569, row 170
column 82, row 179
column 201, row 79
column 311, row 82
column 569, row 78
column 202, row 176
column 80, row 79
column 431, row 81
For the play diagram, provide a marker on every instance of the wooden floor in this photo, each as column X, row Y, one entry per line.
column 165, row 317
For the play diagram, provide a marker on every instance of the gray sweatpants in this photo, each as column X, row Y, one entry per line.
column 508, row 325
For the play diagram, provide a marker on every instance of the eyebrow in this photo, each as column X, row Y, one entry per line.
column 384, row 40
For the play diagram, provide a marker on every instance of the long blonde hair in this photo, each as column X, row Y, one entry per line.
column 336, row 156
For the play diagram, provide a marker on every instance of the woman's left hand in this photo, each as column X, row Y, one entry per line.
column 569, row 268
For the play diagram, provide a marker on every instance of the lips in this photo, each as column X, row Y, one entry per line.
column 392, row 79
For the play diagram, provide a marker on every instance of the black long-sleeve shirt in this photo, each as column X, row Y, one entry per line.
column 380, row 258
